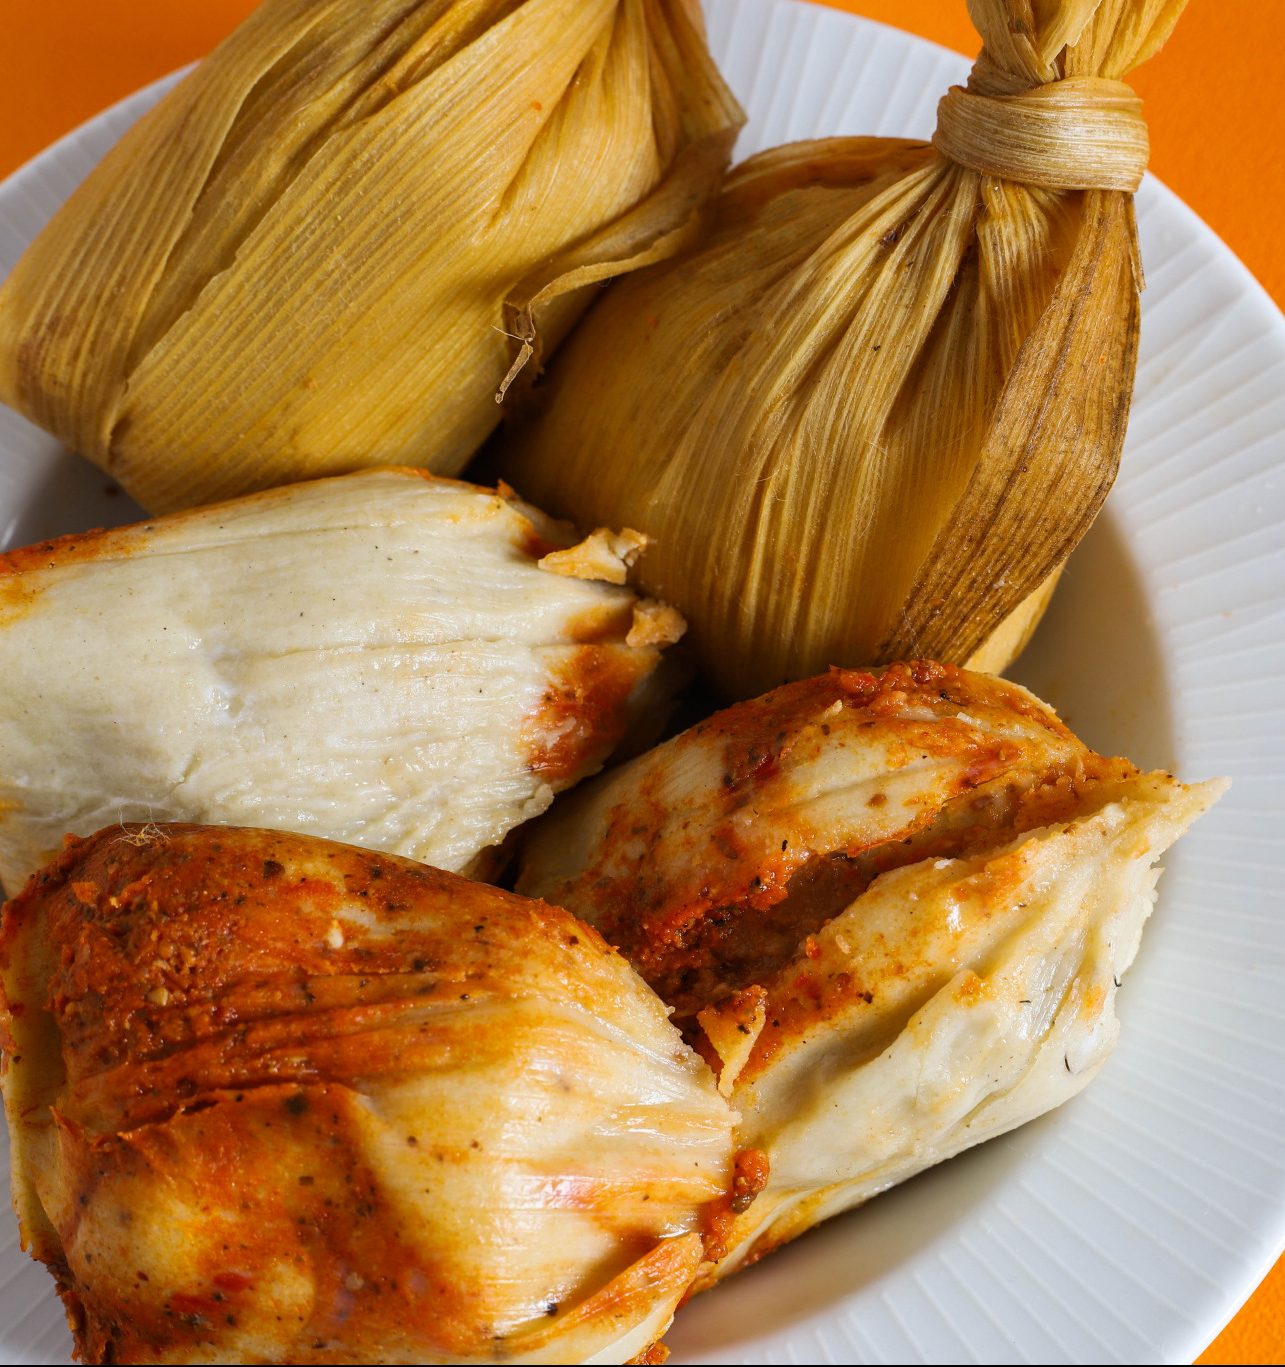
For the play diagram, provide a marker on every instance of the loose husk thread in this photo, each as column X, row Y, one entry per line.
column 297, row 264
column 871, row 415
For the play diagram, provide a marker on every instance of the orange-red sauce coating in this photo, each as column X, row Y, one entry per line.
column 585, row 708
column 215, row 1039
column 750, row 1174
column 736, row 915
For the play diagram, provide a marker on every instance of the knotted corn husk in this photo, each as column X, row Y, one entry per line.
column 274, row 1099
column 298, row 264
column 892, row 909
column 871, row 414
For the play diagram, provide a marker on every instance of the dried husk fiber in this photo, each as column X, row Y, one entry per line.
column 871, row 414
column 298, row 263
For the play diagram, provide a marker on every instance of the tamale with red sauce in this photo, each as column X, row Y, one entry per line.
column 277, row 1099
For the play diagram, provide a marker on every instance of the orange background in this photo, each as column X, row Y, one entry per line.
column 1212, row 99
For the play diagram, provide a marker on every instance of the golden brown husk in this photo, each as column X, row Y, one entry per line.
column 870, row 416
column 298, row 264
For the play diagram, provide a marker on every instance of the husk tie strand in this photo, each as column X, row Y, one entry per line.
column 1080, row 133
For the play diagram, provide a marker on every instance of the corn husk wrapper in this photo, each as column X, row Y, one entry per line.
column 299, row 263
column 893, row 910
column 274, row 1099
column 871, row 415
column 407, row 663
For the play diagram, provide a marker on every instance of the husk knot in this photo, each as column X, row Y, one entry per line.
column 1079, row 133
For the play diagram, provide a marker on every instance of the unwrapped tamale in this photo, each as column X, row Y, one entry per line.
column 300, row 262
column 411, row 664
column 278, row 1100
column 872, row 413
column 892, row 908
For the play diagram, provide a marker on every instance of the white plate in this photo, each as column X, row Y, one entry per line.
column 1130, row 1225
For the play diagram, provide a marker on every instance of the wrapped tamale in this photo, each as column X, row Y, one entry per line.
column 299, row 263
column 275, row 1099
column 407, row 663
column 893, row 909
column 871, row 414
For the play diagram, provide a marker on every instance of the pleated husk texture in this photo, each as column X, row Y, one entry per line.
column 872, row 414
column 299, row 263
